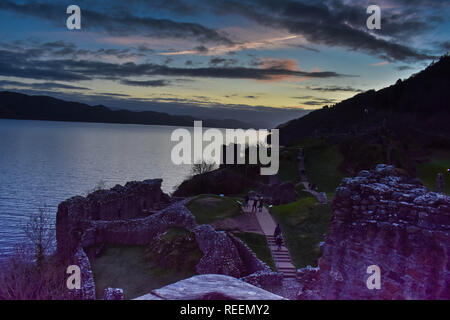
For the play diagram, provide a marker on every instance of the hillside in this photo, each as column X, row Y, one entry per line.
column 21, row 106
column 420, row 103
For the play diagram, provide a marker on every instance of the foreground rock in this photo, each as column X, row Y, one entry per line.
column 381, row 218
column 210, row 287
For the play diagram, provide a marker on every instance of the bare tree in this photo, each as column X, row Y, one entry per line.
column 40, row 234
column 20, row 278
column 30, row 272
column 205, row 166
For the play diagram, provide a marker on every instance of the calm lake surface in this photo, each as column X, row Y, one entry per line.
column 43, row 163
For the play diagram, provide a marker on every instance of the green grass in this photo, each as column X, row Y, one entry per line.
column 129, row 268
column 258, row 244
column 209, row 208
column 322, row 163
column 303, row 224
column 439, row 162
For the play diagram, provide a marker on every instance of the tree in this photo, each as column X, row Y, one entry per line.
column 40, row 234
column 30, row 272
column 200, row 168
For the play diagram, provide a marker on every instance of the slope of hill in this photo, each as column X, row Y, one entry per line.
column 421, row 102
column 21, row 106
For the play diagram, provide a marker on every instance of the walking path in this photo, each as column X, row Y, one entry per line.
column 304, row 178
column 282, row 258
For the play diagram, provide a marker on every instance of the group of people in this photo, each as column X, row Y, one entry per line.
column 258, row 203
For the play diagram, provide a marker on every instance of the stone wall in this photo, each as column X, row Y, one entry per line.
column 87, row 290
column 251, row 261
column 121, row 202
column 382, row 218
column 139, row 231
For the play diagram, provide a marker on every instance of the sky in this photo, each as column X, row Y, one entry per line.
column 257, row 61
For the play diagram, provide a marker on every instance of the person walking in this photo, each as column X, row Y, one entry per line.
column 277, row 235
column 246, row 201
column 261, row 204
column 255, row 204
column 277, row 230
column 278, row 241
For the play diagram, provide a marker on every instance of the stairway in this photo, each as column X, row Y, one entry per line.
column 282, row 258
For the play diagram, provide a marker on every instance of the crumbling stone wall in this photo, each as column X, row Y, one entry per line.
column 78, row 228
column 131, row 201
column 251, row 261
column 382, row 218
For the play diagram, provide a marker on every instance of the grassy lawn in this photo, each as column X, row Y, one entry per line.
column 322, row 163
column 439, row 162
column 258, row 244
column 303, row 224
column 209, row 208
column 129, row 268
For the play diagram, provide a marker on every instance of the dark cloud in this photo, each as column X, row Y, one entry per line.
column 21, row 65
column 118, row 22
column 303, row 47
column 41, row 85
column 147, row 83
column 402, row 68
column 334, row 23
column 329, row 22
column 201, row 49
column 334, row 89
column 445, row 45
column 315, row 101
column 109, row 94
column 59, row 49
column 222, row 61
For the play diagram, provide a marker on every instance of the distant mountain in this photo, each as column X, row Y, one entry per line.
column 420, row 103
column 21, row 106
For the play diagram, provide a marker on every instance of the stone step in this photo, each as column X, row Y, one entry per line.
column 283, row 259
column 285, row 265
column 285, row 272
column 288, row 271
